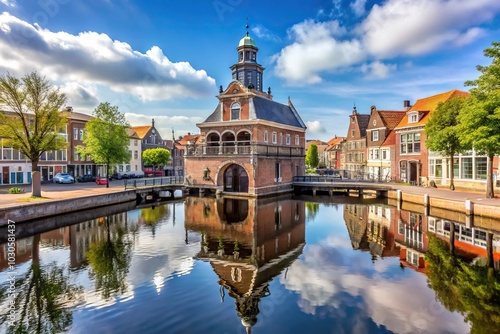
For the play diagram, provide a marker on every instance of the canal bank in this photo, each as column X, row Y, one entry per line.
column 57, row 200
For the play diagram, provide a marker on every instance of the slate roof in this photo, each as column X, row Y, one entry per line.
column 77, row 115
column 265, row 109
column 363, row 123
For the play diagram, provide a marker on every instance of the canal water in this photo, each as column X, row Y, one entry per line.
column 277, row 265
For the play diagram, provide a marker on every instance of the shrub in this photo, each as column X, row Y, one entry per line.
column 15, row 190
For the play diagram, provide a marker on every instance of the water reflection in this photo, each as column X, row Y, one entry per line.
column 247, row 243
column 367, row 268
column 45, row 295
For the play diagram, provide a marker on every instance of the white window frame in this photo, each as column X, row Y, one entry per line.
column 297, row 140
column 275, row 137
column 375, row 135
column 266, row 137
column 288, row 139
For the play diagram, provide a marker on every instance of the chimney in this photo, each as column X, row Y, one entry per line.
column 69, row 109
column 406, row 105
column 152, row 122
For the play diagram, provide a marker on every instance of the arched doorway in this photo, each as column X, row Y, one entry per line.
column 235, row 179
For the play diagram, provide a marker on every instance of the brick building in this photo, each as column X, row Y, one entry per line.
column 380, row 150
column 354, row 148
column 250, row 145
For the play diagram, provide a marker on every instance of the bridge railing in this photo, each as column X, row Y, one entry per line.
column 153, row 181
column 340, row 176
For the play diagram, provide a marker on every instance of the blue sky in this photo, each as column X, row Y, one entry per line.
column 166, row 59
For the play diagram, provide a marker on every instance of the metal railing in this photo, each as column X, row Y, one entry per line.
column 232, row 148
column 342, row 176
column 153, row 181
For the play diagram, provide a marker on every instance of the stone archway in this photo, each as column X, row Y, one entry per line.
column 235, row 179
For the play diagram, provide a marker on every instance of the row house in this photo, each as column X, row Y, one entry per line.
column 354, row 147
column 149, row 138
column 412, row 156
column 180, row 147
column 16, row 168
column 77, row 164
column 381, row 143
column 134, row 149
column 333, row 152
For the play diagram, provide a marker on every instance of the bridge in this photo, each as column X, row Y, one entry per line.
column 337, row 184
column 150, row 189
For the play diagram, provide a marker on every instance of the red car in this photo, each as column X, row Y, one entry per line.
column 101, row 180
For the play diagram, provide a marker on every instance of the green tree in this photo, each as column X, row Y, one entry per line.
column 45, row 295
column 33, row 119
column 110, row 261
column 470, row 289
column 156, row 156
column 154, row 215
column 312, row 157
column 480, row 118
column 106, row 139
column 443, row 131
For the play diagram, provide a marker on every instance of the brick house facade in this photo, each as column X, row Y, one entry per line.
column 250, row 145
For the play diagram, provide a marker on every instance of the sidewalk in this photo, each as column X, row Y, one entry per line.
column 54, row 193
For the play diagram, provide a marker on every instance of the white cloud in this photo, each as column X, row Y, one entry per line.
column 394, row 28
column 265, row 34
column 315, row 127
column 9, row 3
column 324, row 277
column 91, row 58
column 358, row 7
column 316, row 49
column 377, row 70
column 417, row 27
column 80, row 94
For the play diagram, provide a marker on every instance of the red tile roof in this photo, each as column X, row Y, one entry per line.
column 390, row 139
column 141, row 130
column 428, row 105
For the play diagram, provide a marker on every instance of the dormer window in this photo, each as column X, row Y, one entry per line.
column 413, row 117
column 235, row 111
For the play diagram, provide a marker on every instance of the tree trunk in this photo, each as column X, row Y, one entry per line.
column 107, row 174
column 36, row 188
column 489, row 178
column 452, row 177
column 452, row 238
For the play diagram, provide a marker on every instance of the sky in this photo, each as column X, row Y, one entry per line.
column 167, row 59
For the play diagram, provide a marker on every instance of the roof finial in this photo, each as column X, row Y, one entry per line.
column 247, row 26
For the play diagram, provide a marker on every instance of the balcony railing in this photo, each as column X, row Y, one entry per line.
column 247, row 149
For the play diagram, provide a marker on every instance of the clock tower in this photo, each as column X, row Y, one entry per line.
column 247, row 71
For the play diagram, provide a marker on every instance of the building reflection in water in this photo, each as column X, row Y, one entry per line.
column 248, row 243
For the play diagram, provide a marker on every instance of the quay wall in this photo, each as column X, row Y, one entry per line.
column 476, row 209
column 47, row 208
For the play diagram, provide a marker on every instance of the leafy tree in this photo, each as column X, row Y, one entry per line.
column 153, row 215
column 443, row 131
column 43, row 297
column 106, row 139
column 480, row 118
column 33, row 118
column 312, row 157
column 110, row 261
column 156, row 156
column 470, row 289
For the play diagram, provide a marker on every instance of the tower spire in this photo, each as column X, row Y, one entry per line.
column 247, row 26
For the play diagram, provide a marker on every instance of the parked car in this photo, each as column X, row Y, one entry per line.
column 101, row 181
column 116, row 176
column 63, row 178
column 138, row 174
column 150, row 172
column 86, row 178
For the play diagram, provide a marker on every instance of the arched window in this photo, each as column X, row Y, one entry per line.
column 235, row 111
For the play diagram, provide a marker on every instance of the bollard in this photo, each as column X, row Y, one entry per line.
column 400, row 198
column 426, row 204
column 469, row 207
